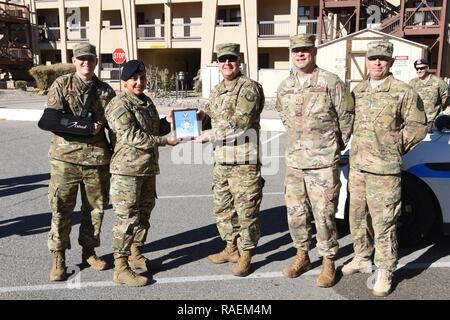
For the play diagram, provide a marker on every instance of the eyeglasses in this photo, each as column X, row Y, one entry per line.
column 381, row 58
column 420, row 68
column 230, row 58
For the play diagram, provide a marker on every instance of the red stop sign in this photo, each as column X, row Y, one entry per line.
column 119, row 56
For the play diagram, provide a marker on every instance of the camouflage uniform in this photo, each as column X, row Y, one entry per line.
column 138, row 133
column 233, row 111
column 78, row 160
column 318, row 117
column 434, row 94
column 389, row 121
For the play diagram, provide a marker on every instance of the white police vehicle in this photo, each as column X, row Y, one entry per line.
column 425, row 187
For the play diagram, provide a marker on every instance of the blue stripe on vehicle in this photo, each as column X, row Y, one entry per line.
column 421, row 170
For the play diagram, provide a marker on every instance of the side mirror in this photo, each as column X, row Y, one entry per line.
column 442, row 122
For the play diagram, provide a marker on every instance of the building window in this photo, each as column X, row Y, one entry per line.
column 229, row 16
column 308, row 12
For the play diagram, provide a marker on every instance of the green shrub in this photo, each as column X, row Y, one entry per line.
column 45, row 75
column 160, row 82
column 20, row 84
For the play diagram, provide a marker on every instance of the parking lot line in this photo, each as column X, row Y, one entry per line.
column 74, row 284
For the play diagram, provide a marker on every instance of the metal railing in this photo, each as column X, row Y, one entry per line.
column 186, row 30
column 150, row 32
column 49, row 33
column 307, row 26
column 77, row 33
column 228, row 24
column 270, row 29
column 113, row 27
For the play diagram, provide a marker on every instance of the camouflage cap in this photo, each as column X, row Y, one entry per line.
column 380, row 48
column 84, row 49
column 228, row 49
column 303, row 41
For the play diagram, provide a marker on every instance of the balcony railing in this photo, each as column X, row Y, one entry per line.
column 150, row 32
column 77, row 33
column 114, row 27
column 16, row 53
column 187, row 31
column 14, row 11
column 220, row 23
column 49, row 33
column 391, row 24
column 273, row 29
column 307, row 26
column 423, row 18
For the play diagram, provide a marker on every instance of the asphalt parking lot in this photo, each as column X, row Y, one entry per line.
column 182, row 234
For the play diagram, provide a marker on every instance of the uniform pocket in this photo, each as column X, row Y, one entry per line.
column 332, row 194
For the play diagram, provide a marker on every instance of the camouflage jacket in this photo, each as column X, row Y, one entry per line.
column 234, row 112
column 138, row 132
column 318, row 117
column 434, row 94
column 69, row 93
column 389, row 122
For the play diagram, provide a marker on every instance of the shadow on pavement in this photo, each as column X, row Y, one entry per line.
column 30, row 225
column 16, row 185
column 439, row 247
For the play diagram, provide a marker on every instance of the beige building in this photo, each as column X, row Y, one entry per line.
column 181, row 34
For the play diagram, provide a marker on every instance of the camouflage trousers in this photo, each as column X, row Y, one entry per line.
column 237, row 198
column 375, row 204
column 94, row 186
column 133, row 200
column 316, row 189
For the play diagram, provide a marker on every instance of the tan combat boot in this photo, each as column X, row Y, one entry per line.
column 300, row 265
column 58, row 272
column 242, row 267
column 383, row 283
column 229, row 254
column 123, row 274
column 88, row 256
column 327, row 277
column 358, row 264
column 138, row 261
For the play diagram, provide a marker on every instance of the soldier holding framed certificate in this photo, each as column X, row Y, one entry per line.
column 233, row 112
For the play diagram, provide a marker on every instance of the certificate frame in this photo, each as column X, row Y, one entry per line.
column 185, row 124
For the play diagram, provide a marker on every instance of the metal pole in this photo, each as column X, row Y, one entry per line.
column 120, row 77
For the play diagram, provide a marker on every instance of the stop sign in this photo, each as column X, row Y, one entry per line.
column 119, row 56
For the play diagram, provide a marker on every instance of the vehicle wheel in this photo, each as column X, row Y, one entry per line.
column 420, row 212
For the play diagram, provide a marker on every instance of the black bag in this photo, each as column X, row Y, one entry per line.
column 59, row 122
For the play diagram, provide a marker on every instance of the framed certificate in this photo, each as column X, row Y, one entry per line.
column 185, row 124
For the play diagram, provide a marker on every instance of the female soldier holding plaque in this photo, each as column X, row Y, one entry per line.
column 138, row 132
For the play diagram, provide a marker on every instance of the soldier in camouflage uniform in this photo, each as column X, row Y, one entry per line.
column 79, row 161
column 233, row 111
column 317, row 112
column 432, row 90
column 138, row 132
column 389, row 121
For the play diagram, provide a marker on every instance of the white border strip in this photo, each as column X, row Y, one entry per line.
column 220, row 277
column 35, row 115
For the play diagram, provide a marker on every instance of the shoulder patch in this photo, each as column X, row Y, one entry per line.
column 250, row 96
column 51, row 101
column 119, row 112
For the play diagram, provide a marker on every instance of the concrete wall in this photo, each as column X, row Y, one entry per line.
column 270, row 79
